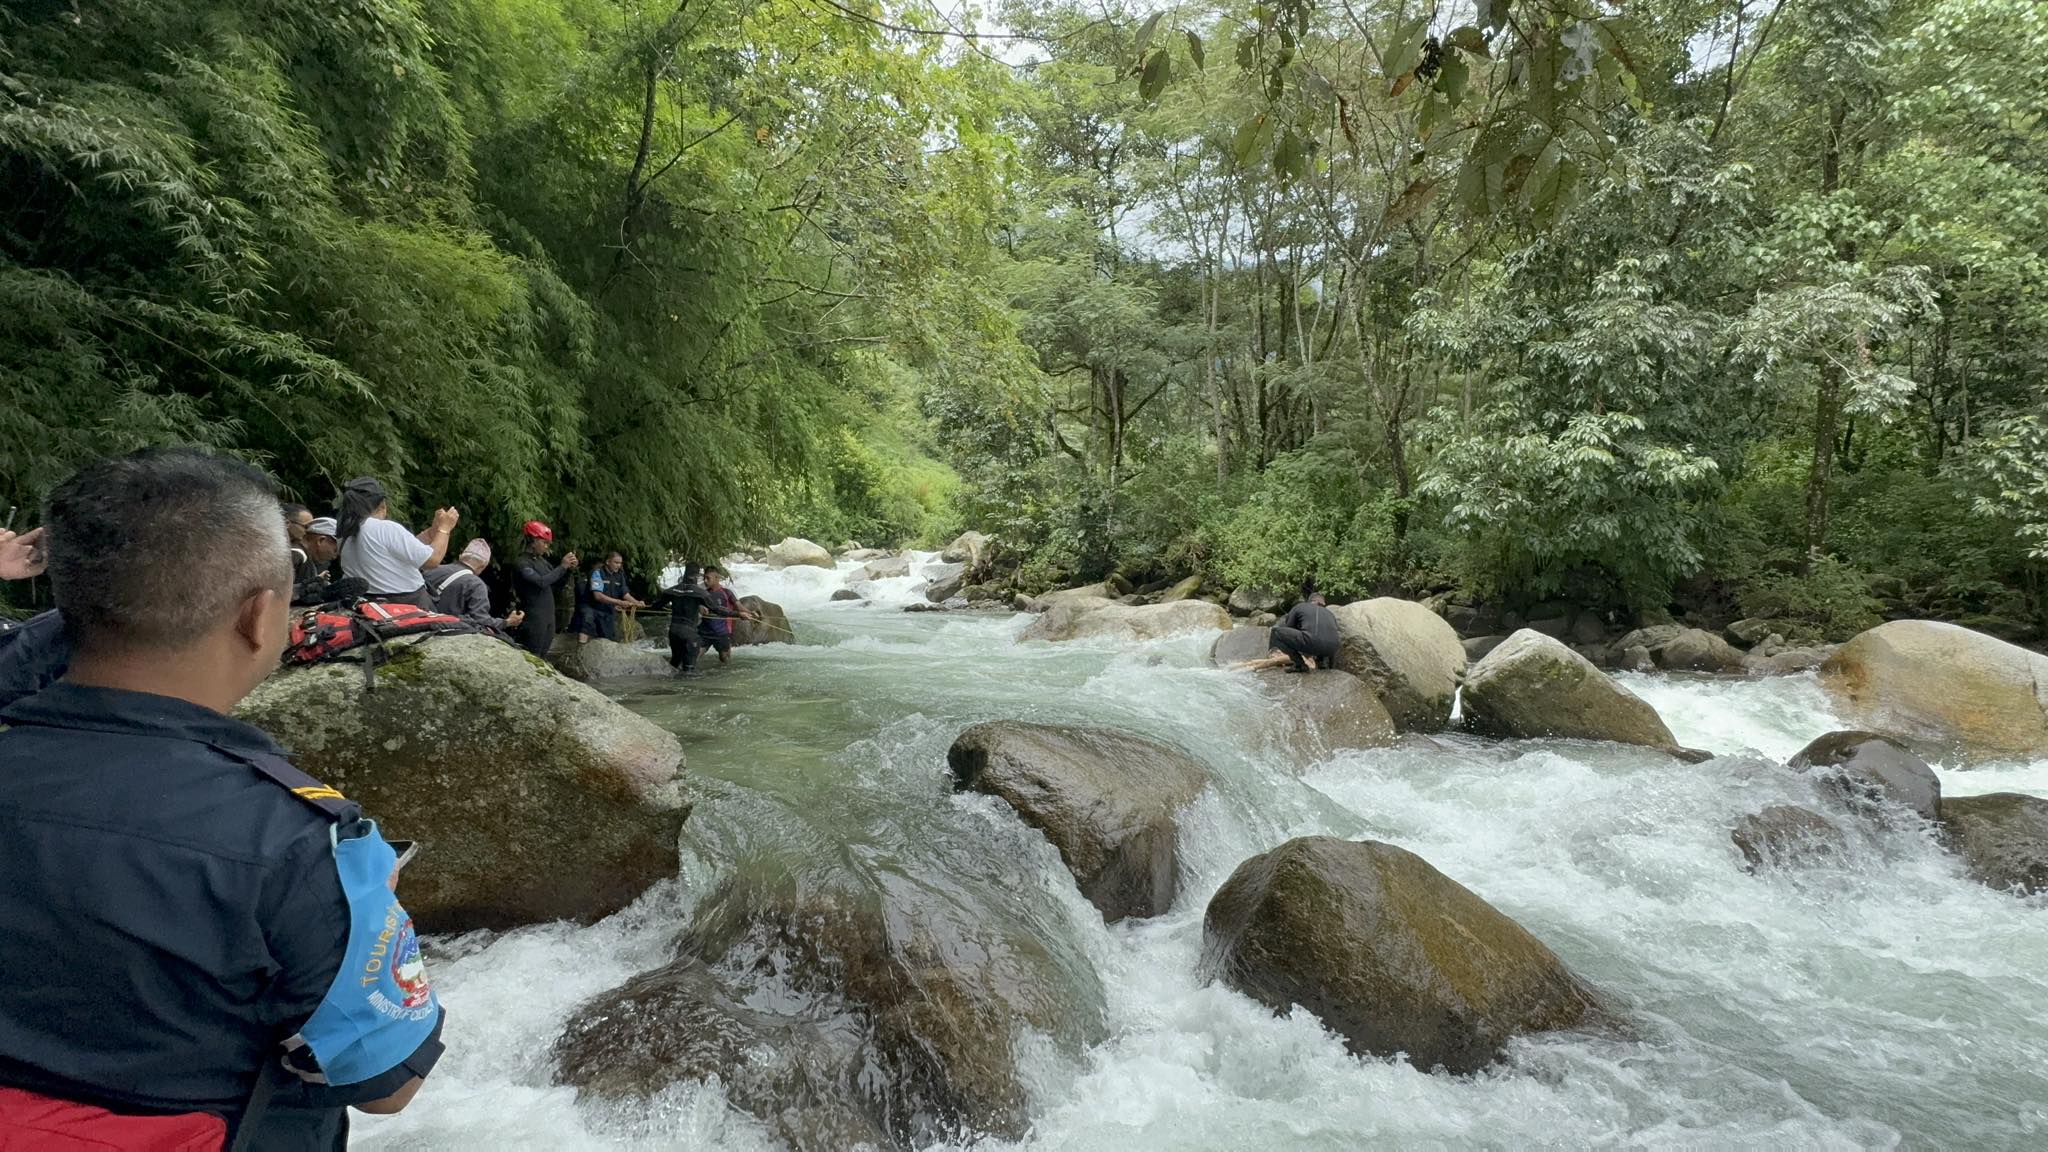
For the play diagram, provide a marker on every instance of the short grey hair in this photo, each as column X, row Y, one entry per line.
column 154, row 550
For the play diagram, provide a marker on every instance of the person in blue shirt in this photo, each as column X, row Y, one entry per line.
column 607, row 594
column 196, row 936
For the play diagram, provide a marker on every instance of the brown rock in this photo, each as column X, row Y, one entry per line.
column 1943, row 690
column 1783, row 834
column 1410, row 656
column 1865, row 766
column 1534, row 686
column 2002, row 838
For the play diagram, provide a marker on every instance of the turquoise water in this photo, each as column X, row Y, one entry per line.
column 1886, row 1001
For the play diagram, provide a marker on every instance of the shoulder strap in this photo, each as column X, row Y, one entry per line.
column 451, row 578
column 288, row 776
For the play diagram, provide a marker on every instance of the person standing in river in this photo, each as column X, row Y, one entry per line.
column 716, row 631
column 1305, row 640
column 533, row 582
column 689, row 603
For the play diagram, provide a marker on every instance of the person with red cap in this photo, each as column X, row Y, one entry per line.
column 534, row 583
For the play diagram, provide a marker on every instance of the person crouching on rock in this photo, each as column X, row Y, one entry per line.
column 198, row 939
column 689, row 602
column 458, row 590
column 1305, row 640
column 380, row 552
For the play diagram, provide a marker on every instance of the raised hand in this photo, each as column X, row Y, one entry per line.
column 516, row 618
column 18, row 555
column 445, row 519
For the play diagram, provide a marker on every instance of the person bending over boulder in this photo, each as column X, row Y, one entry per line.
column 202, row 944
column 458, row 589
column 1306, row 639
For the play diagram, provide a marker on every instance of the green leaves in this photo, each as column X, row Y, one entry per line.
column 1145, row 31
column 1195, row 48
column 1157, row 71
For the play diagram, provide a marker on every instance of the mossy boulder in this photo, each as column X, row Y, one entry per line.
column 1186, row 589
column 600, row 659
column 1943, row 690
column 1864, row 767
column 1089, row 618
column 2002, row 838
column 1388, row 953
column 1412, row 658
column 1108, row 800
column 1534, row 686
column 1320, row 713
column 532, row 797
column 842, row 1010
column 772, row 627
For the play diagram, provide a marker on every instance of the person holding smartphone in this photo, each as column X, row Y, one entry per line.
column 533, row 582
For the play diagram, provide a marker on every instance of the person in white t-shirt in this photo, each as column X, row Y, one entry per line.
column 387, row 557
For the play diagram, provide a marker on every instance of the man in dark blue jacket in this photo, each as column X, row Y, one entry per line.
column 192, row 932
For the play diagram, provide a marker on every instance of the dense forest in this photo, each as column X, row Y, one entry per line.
column 1714, row 306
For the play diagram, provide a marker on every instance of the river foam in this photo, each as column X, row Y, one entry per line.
column 1882, row 1001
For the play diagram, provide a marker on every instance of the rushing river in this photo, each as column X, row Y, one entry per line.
column 1883, row 1001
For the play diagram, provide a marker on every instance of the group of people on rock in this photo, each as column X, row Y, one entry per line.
column 361, row 553
column 204, row 947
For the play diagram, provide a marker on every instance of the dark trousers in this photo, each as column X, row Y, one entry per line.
column 1297, row 644
column 683, row 650
column 420, row 598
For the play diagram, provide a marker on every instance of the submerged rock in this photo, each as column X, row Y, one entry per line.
column 1389, row 953
column 1943, row 690
column 1240, row 644
column 844, row 594
column 794, row 552
column 1784, row 834
column 772, row 627
column 1410, row 656
column 1534, row 686
column 1081, row 619
column 1109, row 801
column 601, row 659
column 884, row 568
column 843, row 1011
column 1323, row 712
column 1864, row 766
column 532, row 796
column 2002, row 838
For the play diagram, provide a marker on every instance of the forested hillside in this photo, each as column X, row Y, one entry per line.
column 1725, row 305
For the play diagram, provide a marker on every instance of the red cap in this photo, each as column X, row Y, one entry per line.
column 539, row 531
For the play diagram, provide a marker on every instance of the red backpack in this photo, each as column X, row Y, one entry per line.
column 326, row 632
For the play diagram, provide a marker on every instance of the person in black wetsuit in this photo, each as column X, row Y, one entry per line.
column 1306, row 639
column 533, row 582
column 688, row 603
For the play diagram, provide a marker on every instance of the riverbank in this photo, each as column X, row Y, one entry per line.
column 1759, row 997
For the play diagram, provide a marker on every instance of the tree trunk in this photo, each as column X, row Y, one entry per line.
column 1827, row 412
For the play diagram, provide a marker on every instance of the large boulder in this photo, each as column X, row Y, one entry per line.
column 600, row 659
column 943, row 586
column 1249, row 600
column 1103, row 590
column 1085, row 619
column 884, row 568
column 1944, row 690
column 1324, row 712
column 794, row 552
column 1241, row 644
column 969, row 548
column 532, row 797
column 1864, row 766
column 840, row 1012
column 772, row 627
column 1533, row 686
column 1108, row 800
column 1409, row 655
column 1388, row 953
column 2002, row 838
column 1785, row 661
column 1679, row 649
column 1784, row 834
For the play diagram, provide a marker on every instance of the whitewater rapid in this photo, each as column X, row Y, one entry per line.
column 1882, row 1001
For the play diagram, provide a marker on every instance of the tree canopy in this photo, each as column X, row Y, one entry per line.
column 1718, row 305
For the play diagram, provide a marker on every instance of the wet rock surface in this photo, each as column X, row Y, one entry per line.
column 1943, row 690
column 1534, row 686
column 2002, row 838
column 1081, row 619
column 1783, row 834
column 1388, row 953
column 1865, row 767
column 1412, row 659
